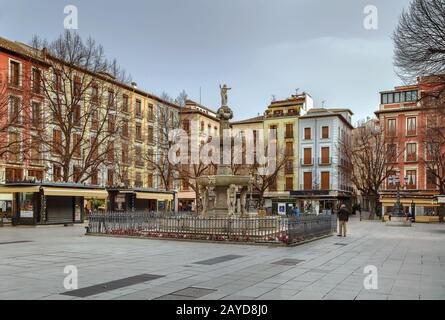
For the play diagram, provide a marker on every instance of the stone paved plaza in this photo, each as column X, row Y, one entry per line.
column 410, row 264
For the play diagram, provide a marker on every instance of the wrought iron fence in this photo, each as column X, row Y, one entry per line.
column 275, row 229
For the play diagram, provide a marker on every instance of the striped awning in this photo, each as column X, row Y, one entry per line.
column 75, row 192
column 154, row 196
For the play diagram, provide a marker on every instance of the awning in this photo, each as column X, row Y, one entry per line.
column 75, row 192
column 408, row 202
column 154, row 196
column 5, row 197
column 13, row 189
column 188, row 195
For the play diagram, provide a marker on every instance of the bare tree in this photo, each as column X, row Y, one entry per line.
column 181, row 99
column 373, row 156
column 83, row 91
column 265, row 179
column 419, row 40
column 158, row 158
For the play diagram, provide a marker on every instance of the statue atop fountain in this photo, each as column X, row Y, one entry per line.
column 222, row 188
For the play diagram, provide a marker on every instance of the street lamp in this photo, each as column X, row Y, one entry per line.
column 397, row 210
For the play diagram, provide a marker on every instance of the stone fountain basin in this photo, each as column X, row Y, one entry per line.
column 224, row 180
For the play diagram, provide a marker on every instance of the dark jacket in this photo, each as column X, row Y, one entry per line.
column 343, row 215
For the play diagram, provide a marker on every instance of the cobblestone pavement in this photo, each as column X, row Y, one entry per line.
column 410, row 264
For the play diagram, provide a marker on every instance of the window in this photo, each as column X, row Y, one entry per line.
column 57, row 173
column 36, row 116
column 57, row 141
column 76, row 145
column 125, row 153
column 110, row 177
column 150, row 112
column 278, row 113
column 138, row 132
column 125, row 131
column 202, row 126
column 391, row 129
column 94, row 178
column 77, row 86
column 36, row 81
column 110, row 151
column 325, row 181
column 111, row 100
column 149, row 180
column 273, row 185
column 37, row 174
column 57, row 81
column 186, row 126
column 125, row 103
column 411, row 126
column 273, row 131
column 289, row 131
column 13, row 174
column 325, row 159
column 307, row 177
column 111, row 123
column 138, row 108
column 289, row 168
column 431, row 180
column 138, row 181
column 391, row 153
column 432, row 149
column 14, row 147
column 307, row 134
column 35, row 153
column 307, row 156
column 94, row 145
column 14, row 110
column 138, row 156
column 150, row 135
column 77, row 173
column 76, row 116
column 412, row 179
column 94, row 94
column 411, row 152
column 289, row 184
column 14, row 75
column 94, row 120
column 289, row 149
column 325, row 132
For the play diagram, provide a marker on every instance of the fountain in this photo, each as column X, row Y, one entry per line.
column 219, row 191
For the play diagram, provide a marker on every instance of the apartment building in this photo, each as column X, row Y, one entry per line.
column 281, row 117
column 405, row 114
column 324, row 180
column 87, row 129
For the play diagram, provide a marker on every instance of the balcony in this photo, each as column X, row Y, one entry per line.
column 325, row 161
column 307, row 162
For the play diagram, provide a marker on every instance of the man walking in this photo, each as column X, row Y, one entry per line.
column 343, row 217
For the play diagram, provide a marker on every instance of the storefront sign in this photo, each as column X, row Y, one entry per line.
column 26, row 214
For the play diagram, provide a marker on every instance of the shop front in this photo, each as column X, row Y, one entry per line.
column 49, row 203
column 317, row 202
column 420, row 207
column 149, row 200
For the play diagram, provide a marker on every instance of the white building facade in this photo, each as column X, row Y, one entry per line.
column 324, row 180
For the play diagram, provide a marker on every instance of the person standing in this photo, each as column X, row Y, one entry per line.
column 343, row 217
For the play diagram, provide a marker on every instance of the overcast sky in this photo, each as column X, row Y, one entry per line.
column 258, row 47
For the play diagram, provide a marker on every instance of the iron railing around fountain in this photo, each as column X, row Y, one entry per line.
column 274, row 229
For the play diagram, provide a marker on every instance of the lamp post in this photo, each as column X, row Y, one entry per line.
column 397, row 210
